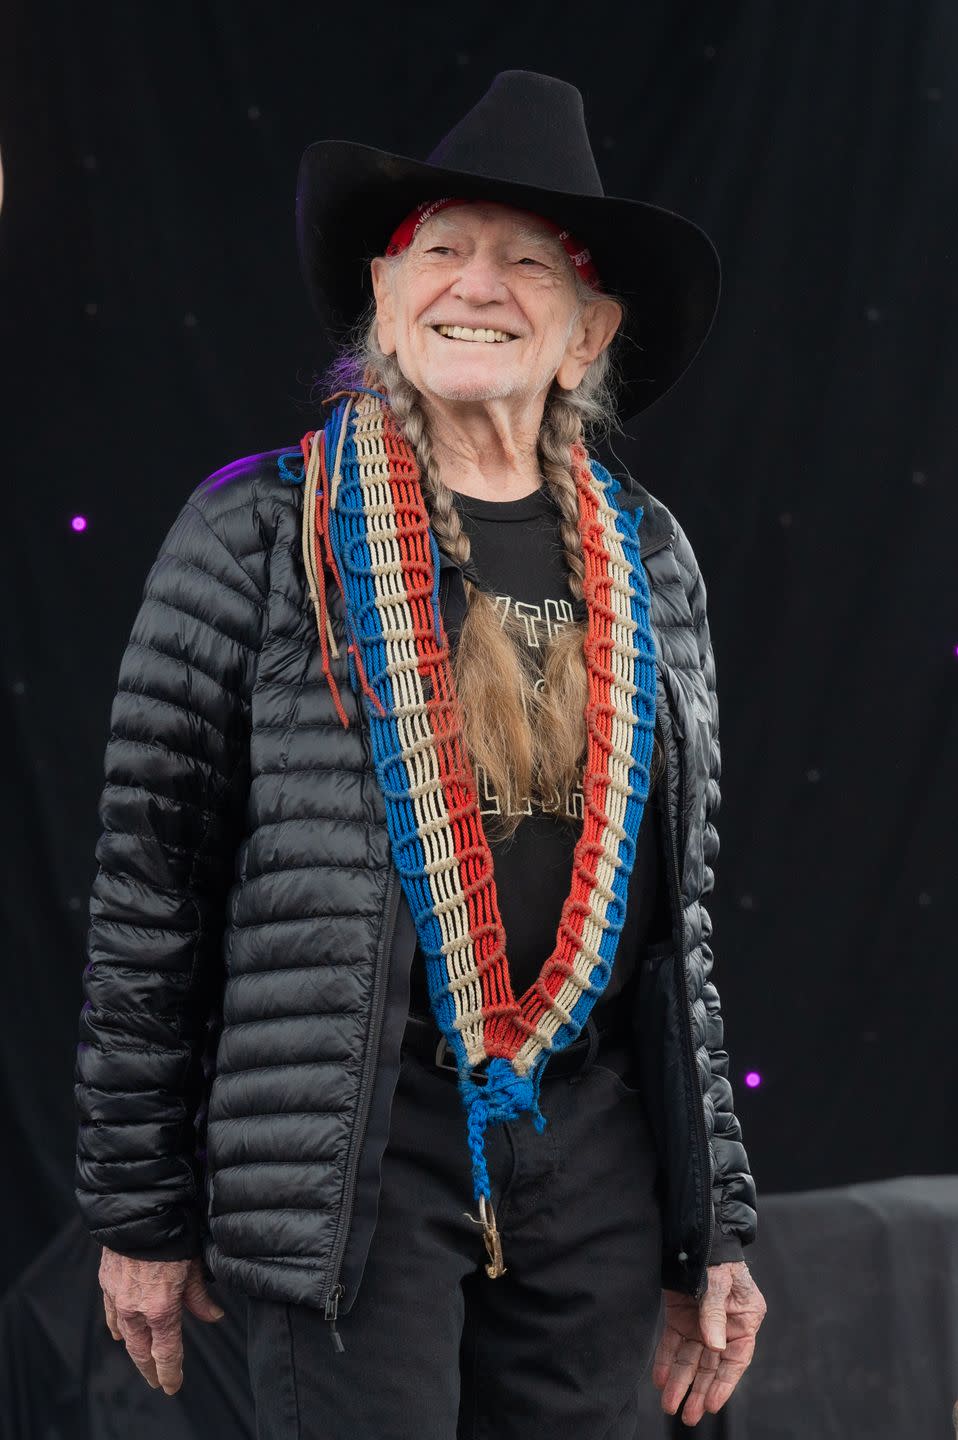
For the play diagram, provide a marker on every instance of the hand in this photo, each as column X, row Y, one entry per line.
column 143, row 1300
column 708, row 1344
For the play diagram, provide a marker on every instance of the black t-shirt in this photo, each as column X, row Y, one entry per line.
column 517, row 553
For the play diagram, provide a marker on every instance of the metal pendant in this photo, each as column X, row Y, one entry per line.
column 491, row 1237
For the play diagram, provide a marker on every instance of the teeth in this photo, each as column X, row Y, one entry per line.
column 463, row 332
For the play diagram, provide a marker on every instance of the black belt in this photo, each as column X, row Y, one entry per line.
column 423, row 1038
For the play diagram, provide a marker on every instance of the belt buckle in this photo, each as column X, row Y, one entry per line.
column 442, row 1063
column 441, row 1050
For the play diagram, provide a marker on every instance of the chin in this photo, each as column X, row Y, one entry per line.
column 451, row 386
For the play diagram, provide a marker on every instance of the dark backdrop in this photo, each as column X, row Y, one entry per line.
column 154, row 327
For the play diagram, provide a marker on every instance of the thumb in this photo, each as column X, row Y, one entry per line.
column 712, row 1324
column 198, row 1300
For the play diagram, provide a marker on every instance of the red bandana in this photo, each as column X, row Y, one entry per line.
column 403, row 234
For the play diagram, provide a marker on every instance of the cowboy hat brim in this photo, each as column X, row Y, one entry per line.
column 350, row 197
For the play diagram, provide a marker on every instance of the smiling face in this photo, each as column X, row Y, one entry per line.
column 483, row 306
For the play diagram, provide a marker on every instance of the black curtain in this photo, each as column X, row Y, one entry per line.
column 154, row 327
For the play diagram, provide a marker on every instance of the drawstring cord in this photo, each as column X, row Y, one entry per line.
column 316, row 521
column 314, row 454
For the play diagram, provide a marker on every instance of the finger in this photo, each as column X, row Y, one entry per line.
column 167, row 1351
column 694, row 1407
column 718, row 1392
column 665, row 1353
column 138, row 1340
column 730, row 1370
column 670, row 1342
column 111, row 1320
column 197, row 1299
column 681, row 1374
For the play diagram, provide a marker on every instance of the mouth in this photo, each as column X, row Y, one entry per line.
column 473, row 336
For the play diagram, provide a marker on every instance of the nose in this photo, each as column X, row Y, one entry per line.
column 478, row 282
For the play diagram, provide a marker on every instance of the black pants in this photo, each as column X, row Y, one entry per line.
column 435, row 1349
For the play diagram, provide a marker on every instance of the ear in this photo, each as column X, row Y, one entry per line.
column 385, row 311
column 592, row 333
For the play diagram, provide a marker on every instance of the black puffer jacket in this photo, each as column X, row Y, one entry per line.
column 250, row 943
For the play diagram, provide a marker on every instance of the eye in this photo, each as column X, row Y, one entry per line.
column 531, row 260
column 438, row 247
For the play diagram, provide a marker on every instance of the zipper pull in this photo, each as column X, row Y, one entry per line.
column 332, row 1310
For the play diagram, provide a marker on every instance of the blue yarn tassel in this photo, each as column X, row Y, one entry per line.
column 504, row 1096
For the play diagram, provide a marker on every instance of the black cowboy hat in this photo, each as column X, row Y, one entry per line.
column 524, row 143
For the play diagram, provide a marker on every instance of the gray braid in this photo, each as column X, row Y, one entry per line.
column 561, row 427
column 410, row 415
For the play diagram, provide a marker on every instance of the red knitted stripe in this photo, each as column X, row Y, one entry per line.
column 539, row 997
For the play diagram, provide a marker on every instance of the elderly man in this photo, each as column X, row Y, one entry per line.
column 408, row 825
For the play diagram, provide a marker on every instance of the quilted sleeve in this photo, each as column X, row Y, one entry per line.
column 171, row 810
column 733, row 1191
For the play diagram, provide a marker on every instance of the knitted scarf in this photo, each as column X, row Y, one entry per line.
column 364, row 508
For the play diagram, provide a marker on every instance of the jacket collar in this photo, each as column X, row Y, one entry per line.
column 657, row 527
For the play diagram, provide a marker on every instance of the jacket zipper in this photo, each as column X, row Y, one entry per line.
column 708, row 1217
column 336, row 1290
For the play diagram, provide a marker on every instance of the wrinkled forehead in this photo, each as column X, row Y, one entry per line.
column 510, row 223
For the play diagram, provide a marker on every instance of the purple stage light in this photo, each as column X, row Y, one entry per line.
column 78, row 522
column 229, row 472
column 752, row 1079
